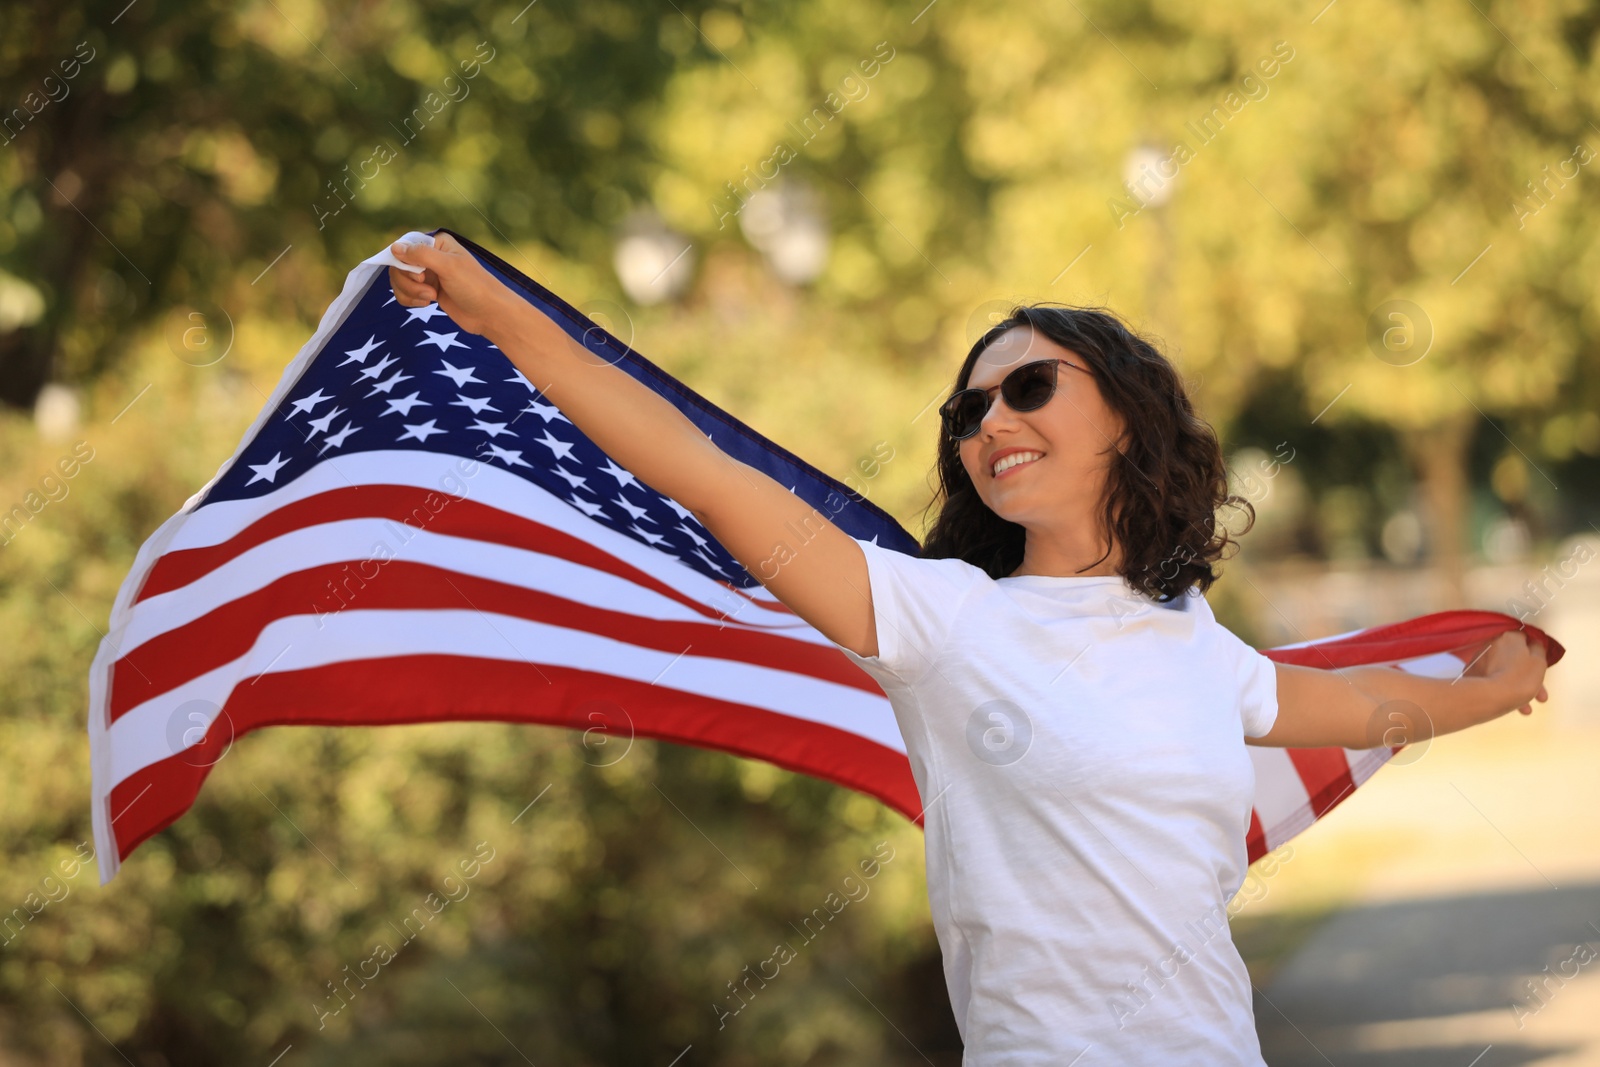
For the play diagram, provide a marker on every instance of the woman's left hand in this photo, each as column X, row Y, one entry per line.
column 1515, row 664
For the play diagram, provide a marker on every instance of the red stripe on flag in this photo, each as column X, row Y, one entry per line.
column 222, row 635
column 414, row 689
column 1443, row 631
column 1255, row 840
column 1326, row 775
column 457, row 517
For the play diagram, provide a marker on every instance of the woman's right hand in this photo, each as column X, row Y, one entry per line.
column 474, row 299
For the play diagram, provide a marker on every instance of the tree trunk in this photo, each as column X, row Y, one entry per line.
column 1438, row 456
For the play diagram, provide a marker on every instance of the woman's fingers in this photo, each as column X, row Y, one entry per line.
column 412, row 290
column 421, row 288
column 450, row 276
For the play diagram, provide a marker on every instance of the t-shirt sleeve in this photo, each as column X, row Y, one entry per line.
column 1256, row 679
column 1258, row 689
column 915, row 603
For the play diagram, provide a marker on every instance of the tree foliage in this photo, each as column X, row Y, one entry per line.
column 1312, row 172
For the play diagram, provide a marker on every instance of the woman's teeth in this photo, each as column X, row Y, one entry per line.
column 1013, row 460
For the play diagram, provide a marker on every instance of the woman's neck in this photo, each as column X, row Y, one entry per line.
column 1062, row 558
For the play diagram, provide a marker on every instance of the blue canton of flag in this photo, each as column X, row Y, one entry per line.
column 393, row 377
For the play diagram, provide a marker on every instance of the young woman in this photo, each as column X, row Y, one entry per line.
column 1075, row 717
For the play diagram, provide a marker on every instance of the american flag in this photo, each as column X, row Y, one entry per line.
column 411, row 532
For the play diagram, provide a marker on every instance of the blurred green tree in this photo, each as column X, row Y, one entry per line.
column 227, row 159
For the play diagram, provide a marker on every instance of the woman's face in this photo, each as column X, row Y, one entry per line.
column 1073, row 436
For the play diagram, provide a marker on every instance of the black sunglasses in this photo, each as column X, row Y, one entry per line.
column 1027, row 388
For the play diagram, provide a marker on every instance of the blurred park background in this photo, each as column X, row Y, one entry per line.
column 1363, row 231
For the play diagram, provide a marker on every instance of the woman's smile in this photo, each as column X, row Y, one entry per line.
column 1015, row 462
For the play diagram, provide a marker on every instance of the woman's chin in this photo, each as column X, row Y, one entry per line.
column 1009, row 510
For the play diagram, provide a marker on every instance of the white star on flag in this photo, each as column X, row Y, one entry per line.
column 572, row 479
column 389, row 383
column 654, row 539
column 268, row 471
column 511, row 457
column 379, row 367
column 405, row 404
column 478, row 404
column 623, row 477
column 336, row 440
column 460, row 375
column 559, row 449
column 633, row 510
column 421, row 431
column 359, row 355
column 545, row 411
column 442, row 341
column 321, row 425
column 306, row 403
column 493, row 429
column 424, row 314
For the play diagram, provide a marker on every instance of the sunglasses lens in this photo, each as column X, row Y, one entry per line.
column 1025, row 389
column 1030, row 387
column 963, row 414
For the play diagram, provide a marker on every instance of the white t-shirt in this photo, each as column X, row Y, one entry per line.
column 1079, row 748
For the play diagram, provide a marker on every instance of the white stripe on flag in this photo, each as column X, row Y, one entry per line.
column 139, row 737
column 1279, row 791
column 355, row 541
column 219, row 522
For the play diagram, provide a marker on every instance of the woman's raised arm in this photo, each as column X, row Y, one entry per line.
column 823, row 578
column 1319, row 708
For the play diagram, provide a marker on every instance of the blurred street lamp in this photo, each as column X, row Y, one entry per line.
column 1145, row 172
column 1403, row 538
column 56, row 412
column 21, row 304
column 787, row 225
column 653, row 262
column 1150, row 178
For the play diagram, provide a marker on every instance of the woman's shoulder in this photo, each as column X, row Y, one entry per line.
column 938, row 568
column 920, row 583
column 916, row 602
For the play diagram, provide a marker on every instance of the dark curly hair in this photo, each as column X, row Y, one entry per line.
column 1163, row 490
